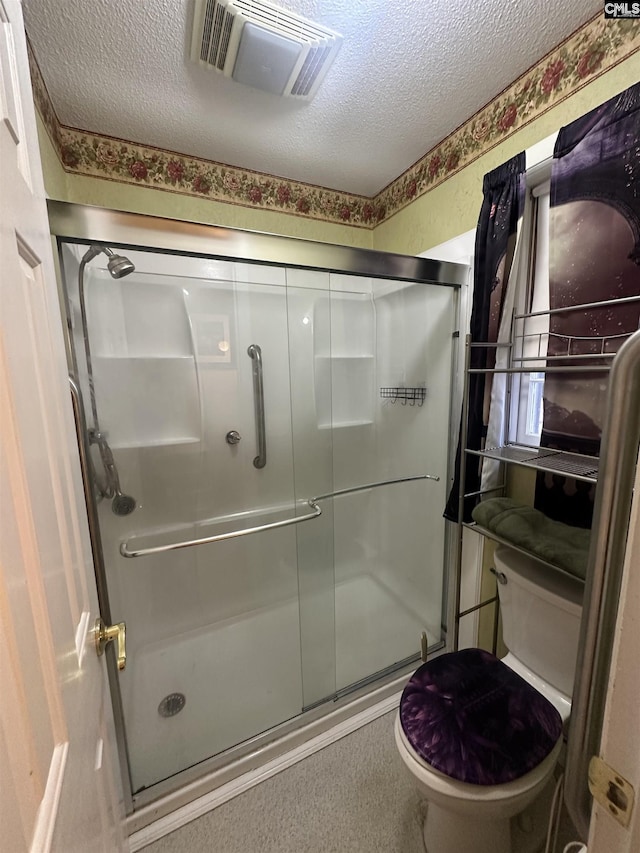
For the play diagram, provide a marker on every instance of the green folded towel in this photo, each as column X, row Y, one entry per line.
column 557, row 543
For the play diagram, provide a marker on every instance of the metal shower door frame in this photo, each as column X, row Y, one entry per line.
column 87, row 225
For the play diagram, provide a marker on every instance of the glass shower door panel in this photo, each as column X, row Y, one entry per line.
column 213, row 631
column 237, row 669
column 389, row 541
column 310, row 341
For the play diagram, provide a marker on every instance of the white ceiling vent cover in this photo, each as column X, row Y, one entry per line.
column 258, row 44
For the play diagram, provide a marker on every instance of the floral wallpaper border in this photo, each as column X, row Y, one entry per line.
column 593, row 49
column 589, row 52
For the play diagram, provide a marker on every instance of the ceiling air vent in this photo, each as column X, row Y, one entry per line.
column 263, row 46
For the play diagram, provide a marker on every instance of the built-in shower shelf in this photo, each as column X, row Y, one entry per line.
column 339, row 424
column 342, row 357
column 179, row 357
column 343, row 387
column 148, row 401
column 160, row 442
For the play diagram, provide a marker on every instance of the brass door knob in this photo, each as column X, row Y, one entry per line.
column 106, row 634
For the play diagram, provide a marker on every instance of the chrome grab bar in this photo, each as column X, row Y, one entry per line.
column 234, row 534
column 255, row 353
column 618, row 460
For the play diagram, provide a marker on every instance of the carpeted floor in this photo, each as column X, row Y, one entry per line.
column 354, row 796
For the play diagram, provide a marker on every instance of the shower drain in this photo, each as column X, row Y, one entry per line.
column 172, row 704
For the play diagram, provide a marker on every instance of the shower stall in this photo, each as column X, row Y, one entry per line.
column 265, row 431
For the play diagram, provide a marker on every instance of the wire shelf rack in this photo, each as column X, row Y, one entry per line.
column 412, row 396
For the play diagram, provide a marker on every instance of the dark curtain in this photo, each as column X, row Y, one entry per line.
column 594, row 256
column 502, row 206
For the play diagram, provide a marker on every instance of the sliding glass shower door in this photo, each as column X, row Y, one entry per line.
column 374, row 359
column 307, row 407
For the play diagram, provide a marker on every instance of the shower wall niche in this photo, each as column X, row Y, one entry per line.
column 344, row 359
column 230, row 639
column 143, row 350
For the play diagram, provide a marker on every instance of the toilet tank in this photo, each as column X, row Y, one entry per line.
column 541, row 610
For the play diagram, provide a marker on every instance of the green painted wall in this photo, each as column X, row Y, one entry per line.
column 452, row 208
column 55, row 178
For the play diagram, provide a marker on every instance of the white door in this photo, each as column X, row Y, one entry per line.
column 57, row 789
column 620, row 745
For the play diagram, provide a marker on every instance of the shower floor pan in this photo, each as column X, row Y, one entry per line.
column 232, row 680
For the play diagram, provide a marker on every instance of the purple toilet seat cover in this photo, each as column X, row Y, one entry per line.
column 472, row 718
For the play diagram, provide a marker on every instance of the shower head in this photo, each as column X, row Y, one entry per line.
column 118, row 265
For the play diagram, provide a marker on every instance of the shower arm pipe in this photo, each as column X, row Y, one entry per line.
column 255, row 354
column 246, row 531
column 614, row 494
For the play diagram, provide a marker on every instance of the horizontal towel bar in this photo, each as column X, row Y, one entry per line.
column 375, row 486
column 234, row 534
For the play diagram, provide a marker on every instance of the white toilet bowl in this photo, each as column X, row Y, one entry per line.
column 465, row 818
column 497, row 796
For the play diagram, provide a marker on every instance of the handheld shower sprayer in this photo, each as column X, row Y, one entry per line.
column 121, row 504
column 118, row 266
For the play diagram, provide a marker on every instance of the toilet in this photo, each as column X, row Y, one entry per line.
column 481, row 736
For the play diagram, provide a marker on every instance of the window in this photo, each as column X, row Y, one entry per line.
column 532, row 335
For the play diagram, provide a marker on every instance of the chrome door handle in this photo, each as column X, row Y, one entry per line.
column 255, row 353
column 104, row 634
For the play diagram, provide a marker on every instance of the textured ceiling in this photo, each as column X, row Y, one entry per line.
column 407, row 75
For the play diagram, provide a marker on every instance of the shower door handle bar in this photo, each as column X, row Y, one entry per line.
column 246, row 531
column 374, row 486
column 220, row 537
column 620, row 441
column 255, row 353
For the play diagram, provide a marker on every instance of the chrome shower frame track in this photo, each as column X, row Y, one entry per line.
column 84, row 224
